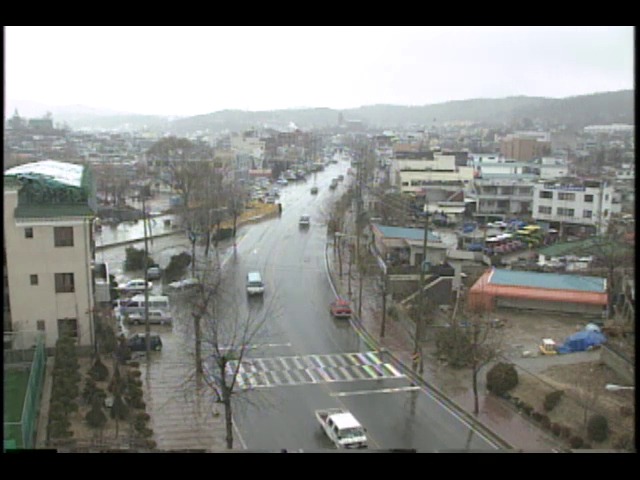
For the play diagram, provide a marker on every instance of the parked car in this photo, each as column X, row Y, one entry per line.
column 135, row 285
column 138, row 342
column 305, row 220
column 314, row 190
column 154, row 272
column 340, row 308
column 186, row 284
column 155, row 316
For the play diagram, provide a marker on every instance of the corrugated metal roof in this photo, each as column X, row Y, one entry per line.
column 484, row 290
column 551, row 281
column 406, row 233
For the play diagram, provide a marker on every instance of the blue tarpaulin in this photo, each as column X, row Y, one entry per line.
column 581, row 341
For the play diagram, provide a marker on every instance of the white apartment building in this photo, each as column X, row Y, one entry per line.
column 411, row 175
column 49, row 210
column 252, row 146
column 552, row 168
column 577, row 207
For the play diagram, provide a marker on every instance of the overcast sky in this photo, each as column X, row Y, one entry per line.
column 197, row 70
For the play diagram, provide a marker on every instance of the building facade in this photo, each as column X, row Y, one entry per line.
column 411, row 176
column 526, row 146
column 578, row 207
column 49, row 210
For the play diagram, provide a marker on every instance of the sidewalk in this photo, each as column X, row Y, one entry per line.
column 496, row 417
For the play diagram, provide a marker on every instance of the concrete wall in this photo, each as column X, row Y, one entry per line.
column 619, row 363
column 566, row 307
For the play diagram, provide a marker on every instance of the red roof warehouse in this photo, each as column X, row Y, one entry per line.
column 539, row 291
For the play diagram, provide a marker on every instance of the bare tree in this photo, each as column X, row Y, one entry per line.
column 484, row 346
column 472, row 342
column 227, row 335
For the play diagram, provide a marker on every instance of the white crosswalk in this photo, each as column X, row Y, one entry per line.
column 310, row 369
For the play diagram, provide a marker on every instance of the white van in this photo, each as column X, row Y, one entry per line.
column 254, row 283
column 136, row 304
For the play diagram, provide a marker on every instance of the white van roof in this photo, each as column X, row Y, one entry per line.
column 152, row 298
column 254, row 276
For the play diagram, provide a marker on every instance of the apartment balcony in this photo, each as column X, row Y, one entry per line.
column 497, row 196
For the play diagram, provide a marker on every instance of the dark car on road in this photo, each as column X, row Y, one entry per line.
column 138, row 342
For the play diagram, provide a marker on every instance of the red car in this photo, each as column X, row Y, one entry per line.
column 340, row 309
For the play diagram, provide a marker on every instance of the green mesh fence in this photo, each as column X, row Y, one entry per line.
column 22, row 434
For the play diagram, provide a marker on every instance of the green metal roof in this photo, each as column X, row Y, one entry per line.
column 52, row 211
column 406, row 233
column 553, row 281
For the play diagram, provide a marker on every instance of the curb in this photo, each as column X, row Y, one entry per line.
column 465, row 416
column 239, row 224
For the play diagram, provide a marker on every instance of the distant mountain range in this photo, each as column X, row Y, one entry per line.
column 574, row 112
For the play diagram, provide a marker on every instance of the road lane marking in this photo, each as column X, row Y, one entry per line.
column 368, row 392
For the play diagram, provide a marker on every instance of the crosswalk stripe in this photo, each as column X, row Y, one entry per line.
column 340, row 373
column 373, row 357
column 329, row 360
column 311, row 369
column 313, row 374
column 324, row 374
column 370, row 370
column 298, row 361
column 287, row 376
column 356, row 371
column 393, row 370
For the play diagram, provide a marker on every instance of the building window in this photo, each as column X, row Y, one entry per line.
column 33, row 279
column 606, row 213
column 566, row 196
column 63, row 236
column 64, row 283
column 587, row 214
column 68, row 327
column 40, row 325
column 28, row 232
column 606, row 197
column 546, row 194
column 588, row 198
column 546, row 210
column 566, row 212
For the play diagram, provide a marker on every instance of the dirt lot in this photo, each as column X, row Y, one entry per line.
column 581, row 375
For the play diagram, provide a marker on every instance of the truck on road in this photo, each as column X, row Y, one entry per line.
column 342, row 428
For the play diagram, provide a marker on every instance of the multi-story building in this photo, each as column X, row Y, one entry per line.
column 551, row 168
column 575, row 207
column 49, row 211
column 502, row 196
column 411, row 176
column 502, row 187
column 525, row 146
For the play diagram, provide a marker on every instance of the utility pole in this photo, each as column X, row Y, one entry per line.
column 383, row 282
column 417, row 351
column 146, row 281
column 358, row 215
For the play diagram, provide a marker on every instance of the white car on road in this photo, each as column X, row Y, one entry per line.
column 155, row 316
column 135, row 285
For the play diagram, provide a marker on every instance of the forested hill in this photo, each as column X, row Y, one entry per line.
column 573, row 112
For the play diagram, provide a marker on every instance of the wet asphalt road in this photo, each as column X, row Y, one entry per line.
column 306, row 360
